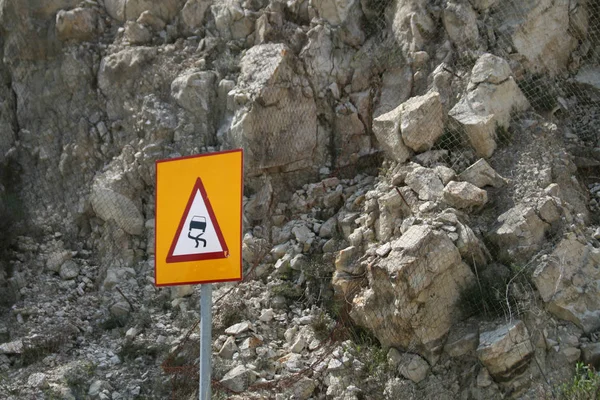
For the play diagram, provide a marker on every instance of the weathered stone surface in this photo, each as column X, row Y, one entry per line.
column 482, row 174
column 193, row 12
column 396, row 86
column 77, row 24
column 38, row 380
column 113, row 206
column 462, row 339
column 238, row 378
column 272, row 79
column 387, row 131
column 410, row 366
column 56, row 259
column 491, row 69
column 460, row 22
column 346, row 13
column 543, row 35
column 195, row 92
column 464, row 195
column 412, row 25
column 69, row 270
column 566, row 282
column 471, row 248
column 231, row 20
column 239, row 328
column 589, row 75
column 483, row 5
column 304, row 388
column 136, row 33
column 390, row 209
column 228, row 349
column 518, row 234
column 425, row 182
column 14, row 347
column 152, row 21
column 488, row 105
column 505, row 350
column 401, row 303
column 422, row 121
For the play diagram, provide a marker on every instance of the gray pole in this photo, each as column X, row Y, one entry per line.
column 205, row 340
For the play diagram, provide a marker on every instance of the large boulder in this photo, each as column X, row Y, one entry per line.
column 544, row 34
column 482, row 174
column 231, row 20
column 518, row 234
column 505, row 351
column 113, row 206
column 276, row 118
column 492, row 97
column 569, row 283
column 115, row 195
column 350, row 135
column 195, row 91
column 396, row 87
column 347, row 14
column 192, row 13
column 387, row 131
column 411, row 298
column 426, row 183
column 464, row 195
column 460, row 22
column 422, row 121
column 411, row 24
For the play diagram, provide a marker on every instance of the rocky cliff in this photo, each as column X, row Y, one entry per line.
column 421, row 203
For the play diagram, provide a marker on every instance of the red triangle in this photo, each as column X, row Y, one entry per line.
column 198, row 256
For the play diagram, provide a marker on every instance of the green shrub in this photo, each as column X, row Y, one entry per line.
column 584, row 386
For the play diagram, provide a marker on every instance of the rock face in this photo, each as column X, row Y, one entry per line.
column 492, row 97
column 271, row 79
column 481, row 174
column 563, row 281
column 464, row 195
column 422, row 121
column 401, row 304
column 93, row 92
column 506, row 350
column 426, row 183
column 387, row 131
column 544, row 36
column 520, row 231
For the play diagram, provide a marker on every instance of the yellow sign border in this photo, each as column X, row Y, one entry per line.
column 220, row 173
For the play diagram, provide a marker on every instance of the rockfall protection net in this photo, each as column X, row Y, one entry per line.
column 528, row 111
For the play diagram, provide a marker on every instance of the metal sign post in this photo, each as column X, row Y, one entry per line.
column 204, row 391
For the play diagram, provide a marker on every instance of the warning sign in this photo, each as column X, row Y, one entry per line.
column 199, row 219
column 198, row 236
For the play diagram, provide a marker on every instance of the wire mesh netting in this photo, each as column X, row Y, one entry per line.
column 421, row 176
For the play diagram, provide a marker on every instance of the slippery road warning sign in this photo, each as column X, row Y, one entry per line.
column 198, row 236
column 199, row 219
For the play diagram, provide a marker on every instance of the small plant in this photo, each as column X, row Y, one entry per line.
column 321, row 326
column 288, row 290
column 585, row 384
column 487, row 298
